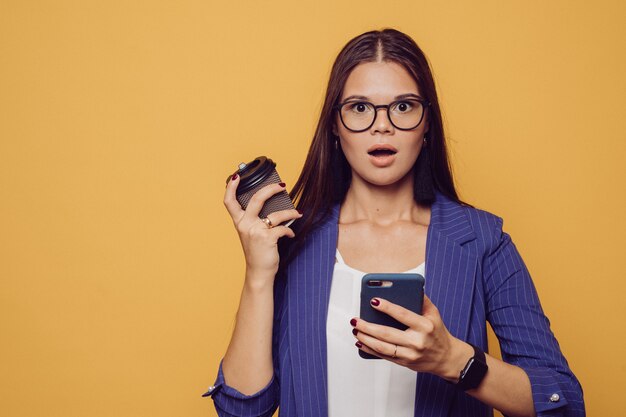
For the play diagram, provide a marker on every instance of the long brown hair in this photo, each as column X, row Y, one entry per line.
column 326, row 175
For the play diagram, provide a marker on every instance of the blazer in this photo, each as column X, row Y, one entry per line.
column 474, row 275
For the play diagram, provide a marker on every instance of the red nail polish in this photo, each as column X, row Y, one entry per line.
column 282, row 184
column 359, row 345
column 375, row 302
column 234, row 177
column 355, row 331
column 353, row 322
column 299, row 212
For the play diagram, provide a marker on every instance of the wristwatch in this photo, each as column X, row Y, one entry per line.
column 474, row 371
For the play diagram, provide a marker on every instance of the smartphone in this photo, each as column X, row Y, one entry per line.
column 406, row 290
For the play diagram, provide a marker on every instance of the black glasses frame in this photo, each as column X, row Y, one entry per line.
column 425, row 103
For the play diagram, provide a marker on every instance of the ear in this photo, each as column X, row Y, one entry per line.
column 335, row 132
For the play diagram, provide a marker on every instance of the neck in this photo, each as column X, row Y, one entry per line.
column 382, row 205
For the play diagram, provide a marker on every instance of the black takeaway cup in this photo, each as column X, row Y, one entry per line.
column 254, row 176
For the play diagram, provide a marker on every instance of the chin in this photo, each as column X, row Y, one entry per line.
column 384, row 180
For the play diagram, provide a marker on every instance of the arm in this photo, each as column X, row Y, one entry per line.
column 526, row 341
column 247, row 363
column 247, row 384
column 533, row 379
column 505, row 387
column 427, row 346
column 257, row 388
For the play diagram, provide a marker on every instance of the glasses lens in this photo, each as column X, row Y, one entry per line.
column 406, row 114
column 357, row 115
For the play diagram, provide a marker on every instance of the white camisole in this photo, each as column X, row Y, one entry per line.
column 357, row 386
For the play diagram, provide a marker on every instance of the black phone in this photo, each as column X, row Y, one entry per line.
column 403, row 289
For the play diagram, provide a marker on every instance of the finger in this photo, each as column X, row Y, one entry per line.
column 371, row 351
column 381, row 347
column 258, row 199
column 282, row 216
column 280, row 231
column 379, row 332
column 403, row 315
column 429, row 309
column 230, row 198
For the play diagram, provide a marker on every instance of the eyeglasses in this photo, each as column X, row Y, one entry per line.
column 405, row 114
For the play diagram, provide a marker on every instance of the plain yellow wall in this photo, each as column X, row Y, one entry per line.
column 119, row 269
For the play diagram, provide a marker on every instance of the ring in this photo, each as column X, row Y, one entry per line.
column 394, row 352
column 268, row 222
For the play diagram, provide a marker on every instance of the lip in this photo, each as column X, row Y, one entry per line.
column 382, row 161
column 384, row 146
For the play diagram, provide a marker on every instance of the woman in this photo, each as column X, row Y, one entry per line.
column 376, row 194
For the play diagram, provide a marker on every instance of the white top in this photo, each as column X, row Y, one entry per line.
column 357, row 386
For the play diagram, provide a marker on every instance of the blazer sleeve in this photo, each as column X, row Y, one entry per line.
column 231, row 403
column 228, row 401
column 523, row 330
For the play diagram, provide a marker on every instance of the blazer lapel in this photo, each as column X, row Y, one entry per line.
column 450, row 277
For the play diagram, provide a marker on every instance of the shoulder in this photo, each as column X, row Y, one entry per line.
column 484, row 227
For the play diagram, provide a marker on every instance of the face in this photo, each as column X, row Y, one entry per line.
column 380, row 83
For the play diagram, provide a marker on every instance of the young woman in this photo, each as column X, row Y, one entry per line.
column 376, row 194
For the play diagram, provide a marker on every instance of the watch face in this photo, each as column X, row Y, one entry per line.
column 468, row 365
column 473, row 374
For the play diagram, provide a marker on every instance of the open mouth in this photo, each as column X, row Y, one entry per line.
column 382, row 152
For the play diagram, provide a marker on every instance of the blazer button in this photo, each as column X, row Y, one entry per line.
column 555, row 398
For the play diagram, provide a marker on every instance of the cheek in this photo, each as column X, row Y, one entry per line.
column 413, row 152
column 417, row 147
column 352, row 143
column 353, row 151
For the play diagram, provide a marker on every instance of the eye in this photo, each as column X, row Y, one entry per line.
column 403, row 107
column 359, row 107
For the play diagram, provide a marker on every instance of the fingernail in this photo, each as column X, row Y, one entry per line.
column 282, row 184
column 235, row 176
column 353, row 322
column 375, row 302
column 354, row 331
column 359, row 345
column 299, row 212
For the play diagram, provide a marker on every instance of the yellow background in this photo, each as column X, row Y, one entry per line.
column 119, row 121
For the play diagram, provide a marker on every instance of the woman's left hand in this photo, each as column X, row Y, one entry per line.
column 425, row 346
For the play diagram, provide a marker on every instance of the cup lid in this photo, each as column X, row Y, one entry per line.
column 253, row 173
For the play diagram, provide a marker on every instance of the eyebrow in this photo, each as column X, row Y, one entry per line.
column 401, row 96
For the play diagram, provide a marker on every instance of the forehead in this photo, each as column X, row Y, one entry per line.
column 379, row 81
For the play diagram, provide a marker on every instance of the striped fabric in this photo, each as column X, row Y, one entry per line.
column 475, row 275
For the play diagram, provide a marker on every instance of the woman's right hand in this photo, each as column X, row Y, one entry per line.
column 259, row 242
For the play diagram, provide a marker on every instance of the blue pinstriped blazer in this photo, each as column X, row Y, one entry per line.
column 474, row 275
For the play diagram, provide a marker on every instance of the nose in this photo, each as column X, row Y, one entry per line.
column 381, row 123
